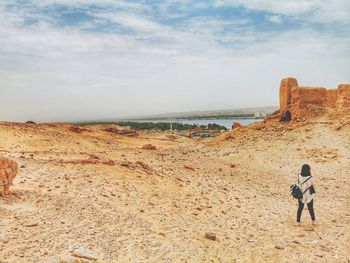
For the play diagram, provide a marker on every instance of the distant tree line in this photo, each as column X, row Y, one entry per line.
column 166, row 126
column 163, row 126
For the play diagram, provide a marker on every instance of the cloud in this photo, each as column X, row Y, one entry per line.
column 126, row 5
column 275, row 19
column 126, row 60
column 313, row 10
column 274, row 6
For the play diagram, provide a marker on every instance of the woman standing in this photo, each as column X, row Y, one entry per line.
column 307, row 184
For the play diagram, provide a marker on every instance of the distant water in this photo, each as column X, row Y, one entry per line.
column 223, row 122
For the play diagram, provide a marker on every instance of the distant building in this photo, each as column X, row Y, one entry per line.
column 259, row 115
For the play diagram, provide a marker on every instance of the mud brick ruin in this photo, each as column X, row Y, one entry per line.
column 297, row 101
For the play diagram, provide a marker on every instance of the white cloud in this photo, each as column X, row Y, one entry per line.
column 126, row 5
column 275, row 19
column 292, row 7
column 314, row 10
column 53, row 73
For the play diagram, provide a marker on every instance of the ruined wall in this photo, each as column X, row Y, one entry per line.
column 297, row 102
column 343, row 102
column 311, row 95
column 285, row 92
column 332, row 97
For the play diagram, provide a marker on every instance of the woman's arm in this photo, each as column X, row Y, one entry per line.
column 313, row 182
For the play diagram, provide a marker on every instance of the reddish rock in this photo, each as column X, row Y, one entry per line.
column 30, row 223
column 86, row 162
column 149, row 147
column 78, row 129
column 30, row 122
column 210, row 236
column 144, row 166
column 188, row 167
column 86, row 253
column 127, row 132
column 172, row 137
column 236, row 125
column 126, row 164
column 113, row 130
column 94, row 156
column 279, row 247
column 8, row 171
column 229, row 137
column 109, row 162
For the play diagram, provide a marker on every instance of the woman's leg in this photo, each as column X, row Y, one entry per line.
column 300, row 210
column 310, row 206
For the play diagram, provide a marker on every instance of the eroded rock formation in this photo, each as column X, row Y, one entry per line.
column 298, row 101
column 8, row 171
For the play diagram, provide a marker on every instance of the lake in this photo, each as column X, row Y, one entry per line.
column 223, row 122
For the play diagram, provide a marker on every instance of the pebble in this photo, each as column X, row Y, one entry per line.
column 30, row 223
column 4, row 238
column 279, row 246
column 83, row 252
column 210, row 236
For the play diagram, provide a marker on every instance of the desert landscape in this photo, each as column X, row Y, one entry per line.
column 95, row 194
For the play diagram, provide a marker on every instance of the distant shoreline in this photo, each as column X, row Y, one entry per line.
column 219, row 123
column 197, row 118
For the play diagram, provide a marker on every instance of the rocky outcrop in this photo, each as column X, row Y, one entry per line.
column 78, row 129
column 30, row 122
column 8, row 171
column 299, row 102
column 236, row 125
column 126, row 132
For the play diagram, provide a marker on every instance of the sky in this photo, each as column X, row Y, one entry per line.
column 69, row 60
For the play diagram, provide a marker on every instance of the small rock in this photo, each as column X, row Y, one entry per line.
column 30, row 223
column 188, row 167
column 144, row 165
column 125, row 164
column 210, row 236
column 4, row 238
column 149, row 147
column 109, row 162
column 94, row 156
column 83, row 252
column 279, row 246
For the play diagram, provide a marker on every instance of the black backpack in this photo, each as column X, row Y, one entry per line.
column 295, row 189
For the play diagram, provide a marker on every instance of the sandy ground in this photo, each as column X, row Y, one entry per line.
column 235, row 186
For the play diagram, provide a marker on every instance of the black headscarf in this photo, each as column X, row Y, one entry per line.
column 305, row 170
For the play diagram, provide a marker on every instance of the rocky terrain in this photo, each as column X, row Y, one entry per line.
column 93, row 195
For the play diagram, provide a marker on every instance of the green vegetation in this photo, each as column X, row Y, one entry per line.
column 210, row 116
column 159, row 125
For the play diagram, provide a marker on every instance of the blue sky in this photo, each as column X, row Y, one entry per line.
column 63, row 60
